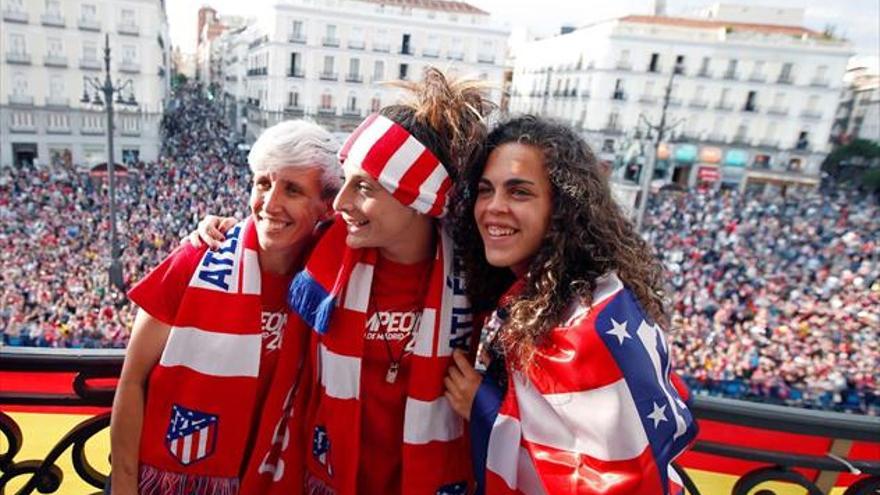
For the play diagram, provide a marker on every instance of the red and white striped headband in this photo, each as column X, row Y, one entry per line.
column 400, row 163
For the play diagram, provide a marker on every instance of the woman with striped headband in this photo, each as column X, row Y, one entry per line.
column 385, row 308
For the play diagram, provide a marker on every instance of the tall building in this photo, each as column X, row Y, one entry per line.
column 858, row 116
column 49, row 48
column 752, row 93
column 210, row 27
column 326, row 58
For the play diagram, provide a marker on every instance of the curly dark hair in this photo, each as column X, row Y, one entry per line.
column 588, row 236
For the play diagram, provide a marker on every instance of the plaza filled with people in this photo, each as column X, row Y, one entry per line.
column 771, row 297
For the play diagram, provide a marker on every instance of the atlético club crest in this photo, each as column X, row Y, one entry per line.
column 191, row 434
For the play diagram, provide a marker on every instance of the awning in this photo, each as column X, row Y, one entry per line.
column 736, row 158
column 708, row 174
column 710, row 154
column 685, row 153
column 661, row 164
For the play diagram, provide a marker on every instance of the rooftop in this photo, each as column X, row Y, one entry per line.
column 441, row 5
column 796, row 31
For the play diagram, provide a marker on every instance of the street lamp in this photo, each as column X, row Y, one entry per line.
column 647, row 173
column 106, row 88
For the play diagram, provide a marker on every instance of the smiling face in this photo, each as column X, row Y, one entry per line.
column 514, row 205
column 374, row 218
column 286, row 204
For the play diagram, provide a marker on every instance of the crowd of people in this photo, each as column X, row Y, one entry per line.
column 777, row 298
column 54, row 238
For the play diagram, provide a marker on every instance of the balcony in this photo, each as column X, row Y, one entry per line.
column 351, row 112
column 731, row 75
column 357, row 44
column 407, row 51
column 128, row 28
column 698, row 104
column 89, row 64
column 648, row 100
column 819, row 82
column 769, row 143
column 298, row 38
column 431, row 53
column 705, row 74
column 453, row 55
column 296, row 72
column 129, row 67
column 618, row 96
column 330, row 42
column 328, row 76
column 724, row 107
column 55, row 61
column 57, row 102
column 294, row 111
column 354, row 78
column 53, row 19
column 785, row 80
column 675, row 102
column 93, row 371
column 777, row 111
column 381, row 47
column 10, row 15
column 21, row 100
column 811, row 115
column 258, row 71
column 18, row 58
column 758, row 78
column 612, row 130
column 326, row 111
column 88, row 24
column 486, row 59
column 624, row 66
column 750, row 108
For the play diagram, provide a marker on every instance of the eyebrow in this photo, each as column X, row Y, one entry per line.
column 511, row 182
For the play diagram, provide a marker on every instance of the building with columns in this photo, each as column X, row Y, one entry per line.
column 48, row 47
column 751, row 101
column 858, row 116
column 326, row 58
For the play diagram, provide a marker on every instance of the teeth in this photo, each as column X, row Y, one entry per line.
column 275, row 224
column 499, row 231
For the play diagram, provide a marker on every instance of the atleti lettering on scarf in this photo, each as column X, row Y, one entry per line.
column 223, row 257
column 462, row 318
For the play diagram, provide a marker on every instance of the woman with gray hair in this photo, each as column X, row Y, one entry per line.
column 204, row 344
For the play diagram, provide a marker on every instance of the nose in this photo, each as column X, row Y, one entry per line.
column 271, row 198
column 497, row 203
column 342, row 201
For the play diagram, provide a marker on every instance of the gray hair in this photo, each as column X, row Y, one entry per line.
column 298, row 144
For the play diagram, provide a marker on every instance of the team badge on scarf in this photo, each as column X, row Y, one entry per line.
column 191, row 434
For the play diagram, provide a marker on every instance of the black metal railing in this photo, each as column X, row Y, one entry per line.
column 89, row 365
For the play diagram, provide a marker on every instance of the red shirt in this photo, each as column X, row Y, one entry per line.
column 161, row 291
column 396, row 302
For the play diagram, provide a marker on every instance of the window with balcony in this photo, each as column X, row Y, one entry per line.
column 785, row 73
column 330, row 38
column 613, row 123
column 356, row 38
column 15, row 12
column 487, row 52
column 354, row 71
column 53, row 16
column 375, row 104
column 351, row 107
column 380, row 41
column 403, row 71
column 292, row 99
column 679, row 64
column 329, row 70
column 326, row 101
column 456, row 49
column 757, row 74
column 405, row 48
column 704, row 67
column 20, row 90
column 751, row 105
column 730, row 73
column 88, row 12
column 295, row 69
column 378, row 70
column 618, row 90
column 432, row 49
column 821, row 78
column 803, row 141
column 723, row 101
column 297, row 32
column 654, row 65
column 127, row 22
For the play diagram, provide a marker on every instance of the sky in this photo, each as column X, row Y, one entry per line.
column 857, row 20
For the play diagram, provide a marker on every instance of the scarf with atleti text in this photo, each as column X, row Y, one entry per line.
column 599, row 411
column 200, row 395
column 331, row 297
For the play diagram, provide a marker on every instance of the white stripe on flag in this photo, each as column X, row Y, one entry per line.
column 366, row 140
column 424, row 345
column 502, row 456
column 340, row 375
column 173, row 447
column 649, row 336
column 399, row 163
column 203, row 442
column 186, row 455
column 527, row 480
column 581, row 421
column 213, row 353
column 430, row 421
column 357, row 292
column 251, row 275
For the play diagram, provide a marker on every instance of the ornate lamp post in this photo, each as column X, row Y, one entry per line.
column 107, row 88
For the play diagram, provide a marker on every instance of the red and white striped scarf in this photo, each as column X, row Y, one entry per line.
column 200, row 398
column 435, row 449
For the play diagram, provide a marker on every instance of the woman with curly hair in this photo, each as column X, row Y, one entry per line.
column 577, row 394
